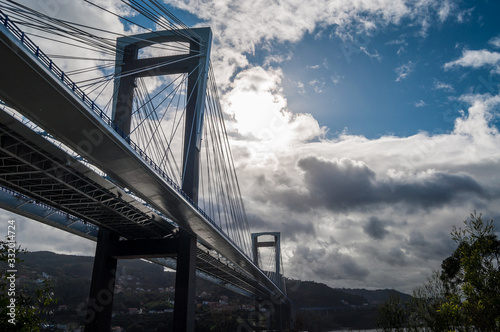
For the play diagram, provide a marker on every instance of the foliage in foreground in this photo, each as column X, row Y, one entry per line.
column 20, row 311
column 463, row 296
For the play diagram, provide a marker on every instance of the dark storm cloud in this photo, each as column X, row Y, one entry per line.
column 435, row 246
column 344, row 184
column 415, row 250
column 295, row 201
column 338, row 184
column 277, row 190
column 393, row 255
column 328, row 263
column 436, row 190
column 300, row 227
column 375, row 228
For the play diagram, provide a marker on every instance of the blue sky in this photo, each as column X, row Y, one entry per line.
column 362, row 130
column 390, row 80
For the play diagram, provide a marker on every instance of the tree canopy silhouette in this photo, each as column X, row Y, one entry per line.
column 464, row 295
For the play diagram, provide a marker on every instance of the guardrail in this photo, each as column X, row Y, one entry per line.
column 61, row 76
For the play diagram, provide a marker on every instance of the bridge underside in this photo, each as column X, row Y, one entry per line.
column 36, row 169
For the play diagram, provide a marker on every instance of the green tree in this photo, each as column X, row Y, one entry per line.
column 471, row 276
column 464, row 295
column 27, row 310
column 217, row 320
column 393, row 315
column 425, row 312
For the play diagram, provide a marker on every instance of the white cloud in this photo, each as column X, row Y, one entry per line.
column 495, row 42
column 438, row 85
column 374, row 55
column 476, row 59
column 256, row 103
column 276, row 59
column 317, row 85
column 401, row 43
column 336, row 78
column 445, row 10
column 313, row 67
column 477, row 123
column 420, row 103
column 464, row 15
column 246, row 24
column 301, row 88
column 404, row 70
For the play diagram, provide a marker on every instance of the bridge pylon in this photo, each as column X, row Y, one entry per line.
column 128, row 68
column 276, row 274
column 278, row 314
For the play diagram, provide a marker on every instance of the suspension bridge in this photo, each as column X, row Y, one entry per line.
column 127, row 146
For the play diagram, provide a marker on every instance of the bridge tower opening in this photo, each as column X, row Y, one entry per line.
column 129, row 67
column 275, row 244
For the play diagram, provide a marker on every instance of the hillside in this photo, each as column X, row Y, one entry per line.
column 149, row 289
column 377, row 296
column 310, row 294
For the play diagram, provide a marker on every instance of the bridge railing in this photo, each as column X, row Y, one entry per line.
column 61, row 76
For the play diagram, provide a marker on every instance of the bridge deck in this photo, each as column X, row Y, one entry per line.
column 48, row 100
column 33, row 166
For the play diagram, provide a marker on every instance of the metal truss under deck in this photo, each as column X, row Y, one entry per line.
column 34, row 168
column 60, row 183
